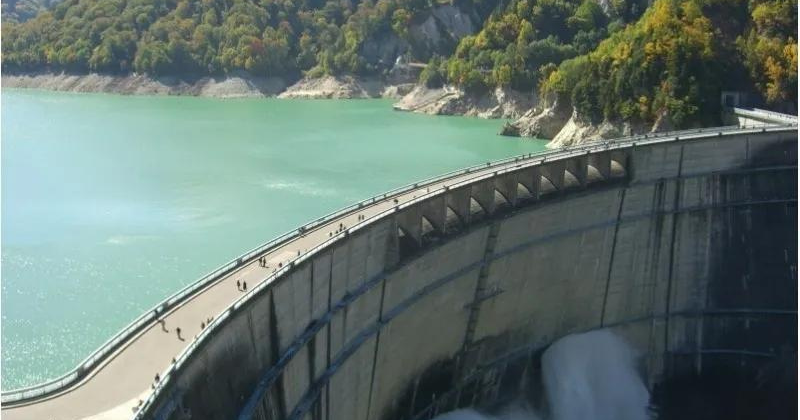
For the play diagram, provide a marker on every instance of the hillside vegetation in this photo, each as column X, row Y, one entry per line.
column 678, row 58
column 174, row 37
column 515, row 46
column 614, row 60
column 674, row 60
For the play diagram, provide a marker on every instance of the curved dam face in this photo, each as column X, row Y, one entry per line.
column 687, row 249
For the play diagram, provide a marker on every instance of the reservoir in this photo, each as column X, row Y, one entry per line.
column 112, row 203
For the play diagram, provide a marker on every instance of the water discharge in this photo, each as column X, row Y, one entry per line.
column 589, row 376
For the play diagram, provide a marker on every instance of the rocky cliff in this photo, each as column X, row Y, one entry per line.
column 556, row 119
column 448, row 100
column 234, row 86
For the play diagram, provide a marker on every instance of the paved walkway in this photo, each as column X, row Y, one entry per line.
column 115, row 387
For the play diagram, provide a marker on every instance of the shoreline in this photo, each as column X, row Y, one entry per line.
column 234, row 86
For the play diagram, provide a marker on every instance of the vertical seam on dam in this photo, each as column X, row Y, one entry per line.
column 675, row 217
column 611, row 258
column 328, row 338
column 480, row 285
column 375, row 353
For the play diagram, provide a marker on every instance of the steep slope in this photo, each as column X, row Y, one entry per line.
column 216, row 37
column 669, row 69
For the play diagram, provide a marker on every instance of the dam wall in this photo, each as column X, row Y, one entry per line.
column 687, row 248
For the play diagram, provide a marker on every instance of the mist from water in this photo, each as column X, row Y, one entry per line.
column 590, row 376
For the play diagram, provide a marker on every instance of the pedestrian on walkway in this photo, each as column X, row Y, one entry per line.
column 158, row 378
column 163, row 325
column 202, row 325
column 244, row 286
column 178, row 330
column 238, row 285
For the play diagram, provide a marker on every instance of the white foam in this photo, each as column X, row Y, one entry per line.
column 590, row 376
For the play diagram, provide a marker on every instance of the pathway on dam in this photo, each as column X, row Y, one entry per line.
column 117, row 385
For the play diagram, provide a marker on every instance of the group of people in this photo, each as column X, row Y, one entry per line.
column 241, row 285
column 262, row 261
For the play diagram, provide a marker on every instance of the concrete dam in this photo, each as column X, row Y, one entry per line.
column 444, row 294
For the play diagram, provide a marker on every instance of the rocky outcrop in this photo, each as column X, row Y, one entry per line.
column 233, row 86
column 437, row 31
column 500, row 103
column 442, row 29
column 577, row 130
column 397, row 91
column 334, row 87
column 559, row 121
column 540, row 122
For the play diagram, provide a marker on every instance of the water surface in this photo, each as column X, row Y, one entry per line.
column 112, row 203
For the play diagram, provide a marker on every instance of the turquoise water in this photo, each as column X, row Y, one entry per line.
column 111, row 203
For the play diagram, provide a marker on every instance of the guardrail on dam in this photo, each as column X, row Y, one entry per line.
column 686, row 245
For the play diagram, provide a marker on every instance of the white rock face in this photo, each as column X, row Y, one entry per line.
column 500, row 103
column 446, row 24
column 234, row 86
column 577, row 131
column 330, row 87
column 457, row 23
column 537, row 122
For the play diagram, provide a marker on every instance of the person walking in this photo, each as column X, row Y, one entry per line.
column 178, row 330
column 238, row 285
column 202, row 326
column 244, row 286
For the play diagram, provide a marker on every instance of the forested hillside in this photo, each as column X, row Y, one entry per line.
column 611, row 64
column 22, row 10
column 516, row 45
column 264, row 37
column 679, row 57
column 618, row 60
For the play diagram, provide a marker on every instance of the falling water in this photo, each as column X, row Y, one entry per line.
column 588, row 376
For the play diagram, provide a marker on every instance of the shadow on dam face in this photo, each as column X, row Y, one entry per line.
column 690, row 258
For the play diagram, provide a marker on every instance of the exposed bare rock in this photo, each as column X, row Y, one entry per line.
column 544, row 122
column 501, row 103
column 397, row 91
column 233, row 86
column 442, row 29
column 577, row 131
column 334, row 87
column 663, row 123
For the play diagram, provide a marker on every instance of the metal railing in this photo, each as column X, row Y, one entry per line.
column 183, row 295
column 763, row 113
column 486, row 172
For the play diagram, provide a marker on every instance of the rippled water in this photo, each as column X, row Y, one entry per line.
column 111, row 203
